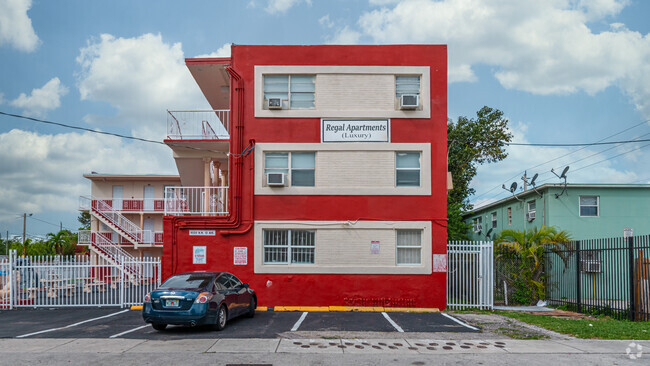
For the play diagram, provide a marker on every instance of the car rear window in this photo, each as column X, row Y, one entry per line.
column 187, row 281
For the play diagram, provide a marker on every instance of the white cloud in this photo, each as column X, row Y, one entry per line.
column 41, row 100
column 141, row 77
column 541, row 47
column 2, row 98
column 43, row 173
column 281, row 6
column 382, row 2
column 223, row 51
column 325, row 21
column 16, row 27
column 345, row 35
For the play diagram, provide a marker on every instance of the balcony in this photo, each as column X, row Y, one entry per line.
column 196, row 201
column 198, row 125
column 149, row 237
column 131, row 205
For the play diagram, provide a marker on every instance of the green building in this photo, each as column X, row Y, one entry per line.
column 586, row 211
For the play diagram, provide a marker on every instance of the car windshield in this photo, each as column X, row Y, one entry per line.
column 187, row 281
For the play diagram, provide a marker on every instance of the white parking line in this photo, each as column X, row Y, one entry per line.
column 72, row 325
column 297, row 325
column 459, row 322
column 128, row 331
column 399, row 329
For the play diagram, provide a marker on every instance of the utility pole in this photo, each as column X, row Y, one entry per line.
column 525, row 179
column 24, row 231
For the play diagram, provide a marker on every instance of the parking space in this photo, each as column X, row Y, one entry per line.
column 122, row 323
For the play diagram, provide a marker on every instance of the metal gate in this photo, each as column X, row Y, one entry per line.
column 470, row 279
column 58, row 281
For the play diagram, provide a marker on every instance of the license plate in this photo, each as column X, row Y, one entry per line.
column 173, row 303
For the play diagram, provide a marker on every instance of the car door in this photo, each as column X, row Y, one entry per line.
column 229, row 293
column 243, row 296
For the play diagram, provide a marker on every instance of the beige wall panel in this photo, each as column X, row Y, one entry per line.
column 355, row 169
column 351, row 248
column 344, row 247
column 354, row 92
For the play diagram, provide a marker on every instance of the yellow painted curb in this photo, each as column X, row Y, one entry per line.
column 302, row 308
column 261, row 308
column 136, row 307
column 412, row 310
column 372, row 309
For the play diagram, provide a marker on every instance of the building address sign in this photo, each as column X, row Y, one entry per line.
column 355, row 130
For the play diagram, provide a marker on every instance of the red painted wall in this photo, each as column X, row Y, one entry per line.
column 322, row 290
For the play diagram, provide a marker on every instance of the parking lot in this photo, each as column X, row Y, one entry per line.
column 124, row 323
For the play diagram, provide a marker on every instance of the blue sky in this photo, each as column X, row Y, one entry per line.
column 562, row 71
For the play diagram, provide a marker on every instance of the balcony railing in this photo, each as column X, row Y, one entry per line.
column 148, row 237
column 198, row 125
column 196, row 201
column 135, row 205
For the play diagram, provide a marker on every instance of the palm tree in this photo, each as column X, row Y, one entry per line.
column 528, row 248
column 59, row 240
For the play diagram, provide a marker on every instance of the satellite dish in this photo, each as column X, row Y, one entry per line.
column 513, row 187
column 532, row 181
column 563, row 175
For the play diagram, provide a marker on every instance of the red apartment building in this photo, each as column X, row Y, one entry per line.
column 319, row 177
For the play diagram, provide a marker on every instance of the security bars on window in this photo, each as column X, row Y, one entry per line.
column 289, row 246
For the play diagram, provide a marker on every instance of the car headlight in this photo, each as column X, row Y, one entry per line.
column 147, row 298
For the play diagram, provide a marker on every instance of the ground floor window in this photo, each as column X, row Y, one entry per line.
column 409, row 247
column 289, row 246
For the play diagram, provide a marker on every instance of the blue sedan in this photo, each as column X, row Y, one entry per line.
column 199, row 298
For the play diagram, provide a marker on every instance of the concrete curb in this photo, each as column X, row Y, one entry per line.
column 136, row 307
column 365, row 309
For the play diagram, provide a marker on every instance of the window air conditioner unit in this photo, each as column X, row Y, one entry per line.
column 591, row 266
column 275, row 179
column 409, row 101
column 274, row 103
column 530, row 216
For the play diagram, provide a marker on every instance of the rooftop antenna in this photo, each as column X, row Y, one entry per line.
column 561, row 176
column 532, row 183
column 513, row 188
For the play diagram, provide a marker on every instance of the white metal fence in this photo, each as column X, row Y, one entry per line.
column 57, row 281
column 470, row 274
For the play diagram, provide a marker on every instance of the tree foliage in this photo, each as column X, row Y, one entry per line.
column 84, row 220
column 471, row 142
column 527, row 249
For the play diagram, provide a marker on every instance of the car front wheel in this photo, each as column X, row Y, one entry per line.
column 251, row 308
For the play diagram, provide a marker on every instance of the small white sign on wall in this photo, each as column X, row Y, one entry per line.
column 440, row 263
column 199, row 255
column 203, row 232
column 240, row 256
column 374, row 247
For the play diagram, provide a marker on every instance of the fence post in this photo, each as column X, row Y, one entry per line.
column 578, row 284
column 630, row 251
column 12, row 254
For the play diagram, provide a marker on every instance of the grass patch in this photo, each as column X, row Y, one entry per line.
column 520, row 334
column 596, row 328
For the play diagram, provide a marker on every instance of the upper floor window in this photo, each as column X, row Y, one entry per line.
column 532, row 210
column 509, row 215
column 409, row 247
column 407, row 85
column 589, row 205
column 302, row 166
column 477, row 224
column 494, row 220
column 407, row 169
column 295, row 91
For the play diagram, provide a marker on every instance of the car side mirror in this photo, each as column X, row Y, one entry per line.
column 244, row 285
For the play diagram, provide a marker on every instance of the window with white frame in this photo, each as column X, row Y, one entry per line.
column 302, row 166
column 289, row 246
column 478, row 224
column 298, row 91
column 532, row 210
column 509, row 215
column 407, row 169
column 409, row 247
column 407, row 85
column 494, row 220
column 589, row 206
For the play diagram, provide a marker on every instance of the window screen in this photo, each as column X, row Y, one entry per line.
column 409, row 246
column 303, row 166
column 407, row 169
column 407, row 85
column 589, row 205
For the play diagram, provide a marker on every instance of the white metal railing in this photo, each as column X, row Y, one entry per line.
column 198, row 125
column 113, row 252
column 58, row 281
column 187, row 201
column 130, row 205
column 470, row 274
column 114, row 217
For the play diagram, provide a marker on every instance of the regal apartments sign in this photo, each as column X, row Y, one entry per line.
column 355, row 130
